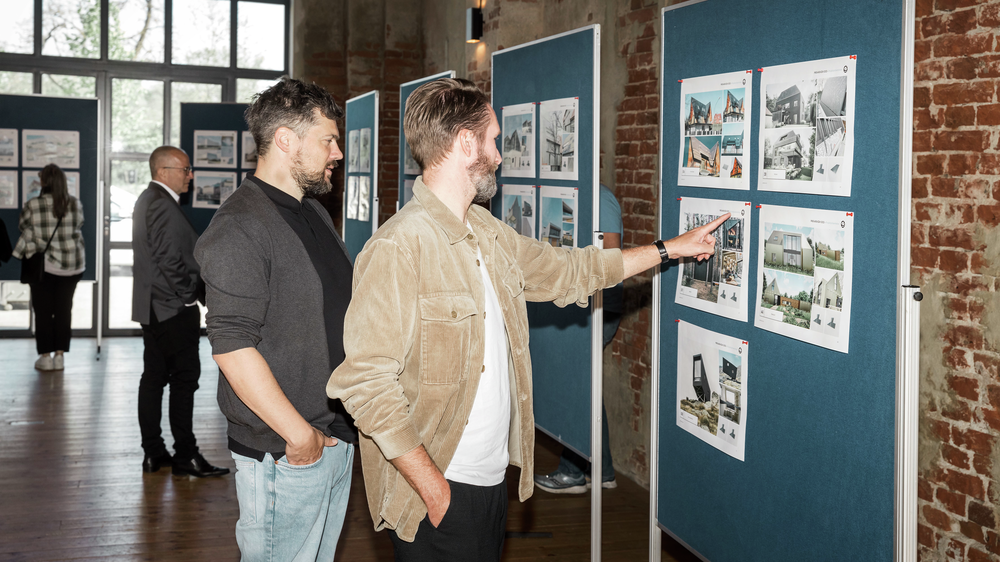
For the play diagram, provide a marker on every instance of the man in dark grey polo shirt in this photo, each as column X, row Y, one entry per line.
column 278, row 282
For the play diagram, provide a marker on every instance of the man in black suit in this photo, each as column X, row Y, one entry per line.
column 165, row 293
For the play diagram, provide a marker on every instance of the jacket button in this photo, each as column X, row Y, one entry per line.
column 469, row 237
column 454, row 314
column 477, row 263
column 483, row 369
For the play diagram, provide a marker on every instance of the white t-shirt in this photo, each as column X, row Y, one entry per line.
column 481, row 458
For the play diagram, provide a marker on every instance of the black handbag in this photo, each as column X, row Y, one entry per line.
column 33, row 268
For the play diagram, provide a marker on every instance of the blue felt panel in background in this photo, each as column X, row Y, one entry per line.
column 556, row 68
column 61, row 114
column 210, row 117
column 362, row 112
column 817, row 483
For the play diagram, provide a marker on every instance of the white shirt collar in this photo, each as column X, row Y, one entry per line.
column 174, row 194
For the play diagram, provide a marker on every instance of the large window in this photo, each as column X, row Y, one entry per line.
column 141, row 59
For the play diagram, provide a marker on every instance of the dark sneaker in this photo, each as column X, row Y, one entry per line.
column 561, row 483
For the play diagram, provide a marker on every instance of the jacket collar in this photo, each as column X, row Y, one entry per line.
column 454, row 229
column 173, row 194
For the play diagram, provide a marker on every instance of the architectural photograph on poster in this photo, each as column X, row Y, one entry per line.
column 353, row 151
column 715, row 111
column 248, row 158
column 365, row 151
column 518, row 149
column 211, row 189
column 410, row 165
column 718, row 284
column 519, row 208
column 352, row 197
column 8, row 147
column 806, row 129
column 8, row 189
column 557, row 216
column 711, row 387
column 364, row 205
column 804, row 275
column 558, row 138
column 214, row 149
column 40, row 148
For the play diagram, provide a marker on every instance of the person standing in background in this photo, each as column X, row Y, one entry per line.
column 55, row 215
column 572, row 475
column 165, row 293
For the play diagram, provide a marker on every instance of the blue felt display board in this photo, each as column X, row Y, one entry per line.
column 362, row 112
column 210, row 117
column 60, row 114
column 404, row 92
column 817, row 482
column 560, row 338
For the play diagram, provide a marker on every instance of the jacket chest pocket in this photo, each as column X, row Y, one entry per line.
column 446, row 338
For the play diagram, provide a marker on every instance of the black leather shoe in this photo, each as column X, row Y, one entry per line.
column 197, row 467
column 152, row 464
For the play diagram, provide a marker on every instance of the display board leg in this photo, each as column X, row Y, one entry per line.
column 907, row 423
column 655, row 534
column 596, row 417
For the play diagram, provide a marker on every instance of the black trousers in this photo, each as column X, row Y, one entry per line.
column 170, row 356
column 472, row 529
column 52, row 301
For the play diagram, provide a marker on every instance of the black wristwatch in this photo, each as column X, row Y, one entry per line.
column 664, row 256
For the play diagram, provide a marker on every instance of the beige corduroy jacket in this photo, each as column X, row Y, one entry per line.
column 414, row 333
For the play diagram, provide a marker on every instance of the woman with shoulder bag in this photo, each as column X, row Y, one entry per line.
column 52, row 263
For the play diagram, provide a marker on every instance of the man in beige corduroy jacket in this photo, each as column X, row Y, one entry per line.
column 437, row 373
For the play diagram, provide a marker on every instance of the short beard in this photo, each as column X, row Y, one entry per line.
column 482, row 174
column 311, row 184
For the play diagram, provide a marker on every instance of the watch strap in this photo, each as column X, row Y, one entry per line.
column 664, row 256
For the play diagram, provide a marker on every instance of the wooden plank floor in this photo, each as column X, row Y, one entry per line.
column 71, row 487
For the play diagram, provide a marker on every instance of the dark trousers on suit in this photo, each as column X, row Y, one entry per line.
column 52, row 300
column 170, row 357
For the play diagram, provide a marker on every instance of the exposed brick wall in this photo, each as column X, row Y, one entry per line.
column 956, row 257
column 636, row 150
column 352, row 48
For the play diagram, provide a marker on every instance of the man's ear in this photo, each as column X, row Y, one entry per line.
column 467, row 140
column 284, row 139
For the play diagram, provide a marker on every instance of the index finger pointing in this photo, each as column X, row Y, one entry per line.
column 717, row 222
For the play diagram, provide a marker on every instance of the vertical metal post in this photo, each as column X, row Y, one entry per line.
column 907, row 318
column 655, row 535
column 596, row 421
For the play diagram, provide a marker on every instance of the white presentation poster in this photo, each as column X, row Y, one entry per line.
column 364, row 202
column 715, row 118
column 804, row 274
column 214, row 149
column 352, row 197
column 519, row 208
column 711, row 387
column 8, row 147
column 31, row 185
column 212, row 188
column 558, row 138
column 73, row 183
column 410, row 165
column 717, row 285
column 40, row 148
column 248, row 159
column 365, row 151
column 518, row 136
column 353, row 151
column 407, row 190
column 807, row 127
column 8, row 189
column 557, row 216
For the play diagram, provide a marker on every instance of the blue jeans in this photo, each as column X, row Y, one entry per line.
column 292, row 512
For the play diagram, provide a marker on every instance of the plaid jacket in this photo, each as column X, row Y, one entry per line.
column 36, row 225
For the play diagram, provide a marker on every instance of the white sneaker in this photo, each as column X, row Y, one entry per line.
column 44, row 363
column 57, row 362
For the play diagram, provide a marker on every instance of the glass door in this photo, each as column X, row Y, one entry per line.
column 144, row 114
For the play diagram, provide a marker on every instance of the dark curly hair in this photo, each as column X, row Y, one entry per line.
column 289, row 103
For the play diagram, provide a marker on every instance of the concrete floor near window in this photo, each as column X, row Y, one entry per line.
column 72, row 486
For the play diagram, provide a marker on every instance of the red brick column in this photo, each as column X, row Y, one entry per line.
column 956, row 187
column 636, row 152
